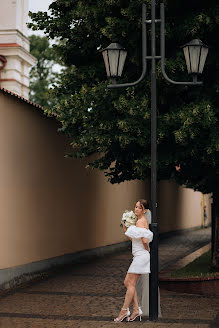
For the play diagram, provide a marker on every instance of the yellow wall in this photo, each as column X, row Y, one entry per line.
column 180, row 208
column 51, row 205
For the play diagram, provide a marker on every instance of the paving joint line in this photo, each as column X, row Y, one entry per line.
column 96, row 318
column 71, row 293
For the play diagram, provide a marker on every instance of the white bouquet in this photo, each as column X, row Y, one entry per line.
column 129, row 218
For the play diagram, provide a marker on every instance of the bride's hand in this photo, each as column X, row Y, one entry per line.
column 146, row 244
column 123, row 226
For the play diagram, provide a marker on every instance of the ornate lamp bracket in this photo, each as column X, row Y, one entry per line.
column 153, row 57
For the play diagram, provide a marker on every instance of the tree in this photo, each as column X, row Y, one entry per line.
column 42, row 76
column 116, row 124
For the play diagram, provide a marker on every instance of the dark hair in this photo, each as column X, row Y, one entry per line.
column 143, row 202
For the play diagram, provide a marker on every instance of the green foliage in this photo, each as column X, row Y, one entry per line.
column 116, row 124
column 42, row 76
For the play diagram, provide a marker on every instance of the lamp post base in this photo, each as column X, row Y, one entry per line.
column 153, row 289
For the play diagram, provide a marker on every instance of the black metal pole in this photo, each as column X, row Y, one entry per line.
column 153, row 304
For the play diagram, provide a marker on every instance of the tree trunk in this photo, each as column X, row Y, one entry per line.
column 215, row 231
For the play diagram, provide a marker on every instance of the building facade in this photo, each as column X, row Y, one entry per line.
column 15, row 58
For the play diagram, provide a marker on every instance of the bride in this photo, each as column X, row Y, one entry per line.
column 141, row 237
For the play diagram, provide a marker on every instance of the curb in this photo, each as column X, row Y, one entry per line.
column 202, row 286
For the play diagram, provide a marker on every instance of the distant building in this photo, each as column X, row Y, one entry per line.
column 15, row 58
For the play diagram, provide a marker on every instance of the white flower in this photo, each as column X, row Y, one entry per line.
column 129, row 218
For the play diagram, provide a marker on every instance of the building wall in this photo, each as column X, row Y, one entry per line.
column 51, row 205
column 14, row 15
column 180, row 208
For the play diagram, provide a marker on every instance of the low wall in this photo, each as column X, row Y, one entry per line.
column 208, row 286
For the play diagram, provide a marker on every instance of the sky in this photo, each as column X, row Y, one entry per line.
column 38, row 5
column 41, row 5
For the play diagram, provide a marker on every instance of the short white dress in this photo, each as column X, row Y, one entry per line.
column 141, row 257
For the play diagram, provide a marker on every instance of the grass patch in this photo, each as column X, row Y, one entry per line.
column 201, row 267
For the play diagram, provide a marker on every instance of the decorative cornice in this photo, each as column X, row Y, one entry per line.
column 13, row 31
column 9, row 51
column 11, row 45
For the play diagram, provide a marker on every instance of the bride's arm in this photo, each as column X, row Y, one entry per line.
column 125, row 229
column 144, row 240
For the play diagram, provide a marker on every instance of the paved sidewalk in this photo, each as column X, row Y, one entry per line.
column 176, row 247
column 91, row 294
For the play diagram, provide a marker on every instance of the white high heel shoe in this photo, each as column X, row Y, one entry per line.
column 125, row 316
column 138, row 315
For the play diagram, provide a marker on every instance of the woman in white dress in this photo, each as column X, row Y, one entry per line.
column 141, row 236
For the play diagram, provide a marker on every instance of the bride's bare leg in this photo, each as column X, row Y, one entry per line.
column 130, row 282
column 135, row 300
column 135, row 306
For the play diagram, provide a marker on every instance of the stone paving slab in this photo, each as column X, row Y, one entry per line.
column 179, row 310
column 40, row 323
column 78, row 285
column 177, row 246
column 91, row 294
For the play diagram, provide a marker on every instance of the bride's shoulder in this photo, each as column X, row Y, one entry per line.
column 142, row 223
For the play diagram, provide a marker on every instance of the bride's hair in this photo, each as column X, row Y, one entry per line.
column 143, row 202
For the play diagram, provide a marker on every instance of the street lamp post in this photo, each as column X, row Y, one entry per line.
column 114, row 57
